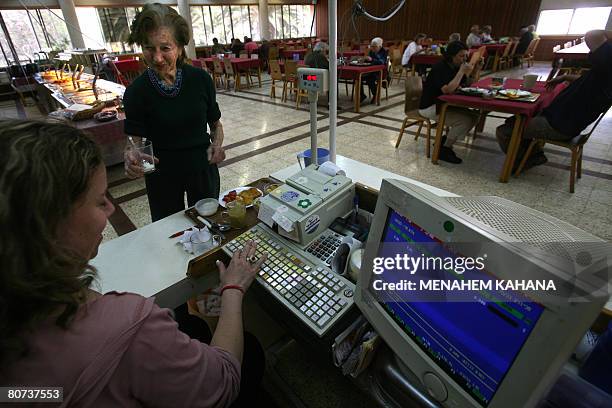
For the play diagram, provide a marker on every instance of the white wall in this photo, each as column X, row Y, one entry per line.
column 563, row 4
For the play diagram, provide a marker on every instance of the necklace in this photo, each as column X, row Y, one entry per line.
column 163, row 88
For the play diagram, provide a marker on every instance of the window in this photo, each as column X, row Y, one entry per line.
column 114, row 26
column 572, row 21
column 22, row 34
column 224, row 23
column 89, row 22
column 290, row 21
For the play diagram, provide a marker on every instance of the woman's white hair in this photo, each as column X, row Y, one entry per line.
column 320, row 46
column 377, row 42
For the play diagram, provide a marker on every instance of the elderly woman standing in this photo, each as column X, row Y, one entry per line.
column 105, row 350
column 171, row 104
column 377, row 56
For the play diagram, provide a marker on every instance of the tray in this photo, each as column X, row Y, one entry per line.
column 532, row 98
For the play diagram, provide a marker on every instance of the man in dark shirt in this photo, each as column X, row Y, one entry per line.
column 577, row 106
column 524, row 42
column 444, row 78
column 377, row 56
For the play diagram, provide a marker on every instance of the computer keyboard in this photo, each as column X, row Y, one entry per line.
column 313, row 293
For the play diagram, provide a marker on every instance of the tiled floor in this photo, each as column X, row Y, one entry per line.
column 263, row 135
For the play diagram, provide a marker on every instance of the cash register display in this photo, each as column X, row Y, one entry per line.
column 475, row 343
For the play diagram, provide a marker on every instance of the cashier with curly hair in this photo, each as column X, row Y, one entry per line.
column 171, row 104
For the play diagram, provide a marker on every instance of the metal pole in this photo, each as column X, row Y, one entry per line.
column 312, row 99
column 333, row 76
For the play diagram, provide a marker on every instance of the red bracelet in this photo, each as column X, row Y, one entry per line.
column 231, row 287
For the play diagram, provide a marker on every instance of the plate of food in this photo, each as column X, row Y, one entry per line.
column 246, row 194
column 514, row 93
column 473, row 91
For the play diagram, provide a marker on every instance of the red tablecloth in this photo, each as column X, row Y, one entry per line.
column 289, row 53
column 528, row 109
column 352, row 53
column 131, row 65
column 353, row 71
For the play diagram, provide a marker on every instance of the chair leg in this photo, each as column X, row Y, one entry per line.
column 525, row 157
column 428, row 147
column 573, row 170
column 273, row 91
column 399, row 139
column 579, row 165
column 418, row 133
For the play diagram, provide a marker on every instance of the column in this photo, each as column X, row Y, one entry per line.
column 72, row 23
column 264, row 25
column 185, row 12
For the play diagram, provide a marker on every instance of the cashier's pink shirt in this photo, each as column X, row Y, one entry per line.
column 122, row 350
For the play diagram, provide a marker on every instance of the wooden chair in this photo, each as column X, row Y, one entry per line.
column 507, row 60
column 414, row 89
column 531, row 53
column 273, row 53
column 218, row 72
column 230, row 73
column 290, row 77
column 397, row 70
column 277, row 76
column 575, row 145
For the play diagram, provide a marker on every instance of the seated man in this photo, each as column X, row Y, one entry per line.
column 444, row 78
column 413, row 48
column 318, row 57
column 474, row 39
column 454, row 37
column 486, row 34
column 377, row 56
column 524, row 41
column 575, row 107
column 217, row 48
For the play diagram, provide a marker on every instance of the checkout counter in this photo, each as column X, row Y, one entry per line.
column 147, row 262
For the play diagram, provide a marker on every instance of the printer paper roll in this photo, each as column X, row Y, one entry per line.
column 331, row 169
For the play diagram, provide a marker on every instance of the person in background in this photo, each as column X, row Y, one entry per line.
column 264, row 53
column 531, row 28
column 236, row 47
column 454, row 37
column 376, row 56
column 171, row 104
column 486, row 34
column 444, row 78
column 415, row 47
column 524, row 41
column 216, row 47
column 250, row 45
column 577, row 106
column 116, row 349
column 474, row 39
column 318, row 57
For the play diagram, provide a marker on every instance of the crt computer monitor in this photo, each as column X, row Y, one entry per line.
column 483, row 353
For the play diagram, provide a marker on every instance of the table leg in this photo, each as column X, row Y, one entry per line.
column 358, row 93
column 413, row 69
column 515, row 140
column 439, row 132
column 379, row 87
column 259, row 75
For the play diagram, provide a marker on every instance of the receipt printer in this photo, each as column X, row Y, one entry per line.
column 307, row 204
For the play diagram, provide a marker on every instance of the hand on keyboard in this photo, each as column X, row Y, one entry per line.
column 240, row 270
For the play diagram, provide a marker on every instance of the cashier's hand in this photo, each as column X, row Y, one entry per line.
column 240, row 270
column 133, row 167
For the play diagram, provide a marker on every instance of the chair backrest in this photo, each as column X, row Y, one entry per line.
column 513, row 49
column 273, row 53
column 290, row 69
column 414, row 89
column 584, row 137
column 275, row 70
column 229, row 68
column 217, row 66
column 243, row 55
column 535, row 46
column 477, row 55
column 396, row 57
column 507, row 49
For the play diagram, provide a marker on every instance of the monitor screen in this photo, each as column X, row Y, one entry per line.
column 475, row 343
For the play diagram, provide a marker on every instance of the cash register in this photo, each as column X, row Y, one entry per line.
column 294, row 233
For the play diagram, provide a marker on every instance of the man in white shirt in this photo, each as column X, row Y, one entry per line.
column 414, row 47
column 474, row 39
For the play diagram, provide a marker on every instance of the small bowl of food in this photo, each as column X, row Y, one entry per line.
column 207, row 207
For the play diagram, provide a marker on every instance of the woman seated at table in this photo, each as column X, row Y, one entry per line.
column 376, row 56
column 415, row 47
column 105, row 350
column 318, row 57
column 486, row 34
column 444, row 78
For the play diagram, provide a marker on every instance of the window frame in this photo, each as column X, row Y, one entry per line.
column 569, row 25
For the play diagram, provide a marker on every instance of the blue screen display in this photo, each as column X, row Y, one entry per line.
column 475, row 343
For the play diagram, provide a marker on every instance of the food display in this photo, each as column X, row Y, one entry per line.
column 245, row 194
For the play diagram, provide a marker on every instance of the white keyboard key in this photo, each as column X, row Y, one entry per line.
column 324, row 319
